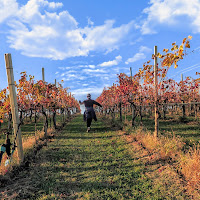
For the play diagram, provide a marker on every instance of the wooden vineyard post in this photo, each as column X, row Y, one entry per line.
column 14, row 106
column 43, row 74
column 35, row 125
column 133, row 107
column 131, row 72
column 156, row 91
column 183, row 106
column 140, row 100
column 125, row 112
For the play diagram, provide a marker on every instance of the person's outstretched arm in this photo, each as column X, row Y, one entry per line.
column 81, row 102
column 96, row 103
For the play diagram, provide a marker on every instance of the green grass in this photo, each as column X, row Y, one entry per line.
column 95, row 165
column 28, row 128
column 188, row 130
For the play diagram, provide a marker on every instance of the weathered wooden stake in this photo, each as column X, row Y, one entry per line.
column 14, row 106
column 156, row 91
column 183, row 106
column 131, row 72
column 43, row 74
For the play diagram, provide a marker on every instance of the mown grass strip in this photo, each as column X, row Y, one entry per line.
column 95, row 165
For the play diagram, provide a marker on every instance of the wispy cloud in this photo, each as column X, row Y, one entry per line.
column 91, row 66
column 140, row 55
column 81, row 93
column 76, row 67
column 90, row 22
column 116, row 61
column 64, row 68
column 72, row 77
column 85, row 84
column 80, row 72
column 68, row 73
column 88, row 71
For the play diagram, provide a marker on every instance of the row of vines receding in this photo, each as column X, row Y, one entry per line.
column 136, row 94
column 42, row 107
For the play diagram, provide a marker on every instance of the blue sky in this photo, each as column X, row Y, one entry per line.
column 87, row 43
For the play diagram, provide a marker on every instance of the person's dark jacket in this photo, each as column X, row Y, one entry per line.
column 90, row 103
column 89, row 110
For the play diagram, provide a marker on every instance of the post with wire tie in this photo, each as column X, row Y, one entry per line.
column 14, row 106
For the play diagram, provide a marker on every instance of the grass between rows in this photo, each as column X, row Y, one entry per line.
column 28, row 128
column 189, row 129
column 95, row 165
column 29, row 137
column 177, row 144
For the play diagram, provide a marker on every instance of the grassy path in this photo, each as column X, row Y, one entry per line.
column 95, row 165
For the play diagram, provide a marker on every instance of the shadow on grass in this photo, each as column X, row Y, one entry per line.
column 83, row 137
column 94, row 179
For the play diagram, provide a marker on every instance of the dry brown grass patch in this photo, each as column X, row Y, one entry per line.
column 190, row 168
column 169, row 149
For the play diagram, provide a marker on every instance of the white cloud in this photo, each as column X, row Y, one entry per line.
column 88, row 71
column 136, row 41
column 136, row 57
column 38, row 31
column 71, row 77
column 140, row 55
column 38, row 35
column 117, row 60
column 145, row 49
column 69, row 73
column 90, row 22
column 117, row 70
column 85, row 84
column 171, row 12
column 54, row 5
column 98, row 75
column 105, row 37
column 91, row 66
column 81, row 93
column 62, row 68
column 8, row 8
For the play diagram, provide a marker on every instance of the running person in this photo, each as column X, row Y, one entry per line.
column 89, row 113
